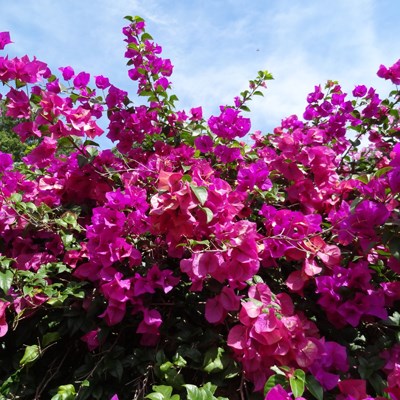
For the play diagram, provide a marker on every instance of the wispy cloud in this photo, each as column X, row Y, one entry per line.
column 218, row 46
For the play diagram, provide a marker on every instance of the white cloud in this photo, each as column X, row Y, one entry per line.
column 218, row 46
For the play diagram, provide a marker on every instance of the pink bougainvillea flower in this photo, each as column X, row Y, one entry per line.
column 92, row 339
column 204, row 143
column 102, row 82
column 200, row 265
column 357, row 388
column 394, row 180
column 3, row 321
column 392, row 73
column 114, row 313
column 18, row 104
column 278, row 393
column 4, row 39
column 197, row 114
column 307, row 353
column 332, row 360
column 149, row 327
column 229, row 124
column 218, row 307
column 228, row 154
column 42, row 155
column 6, row 161
column 54, row 86
column 161, row 279
column 359, row 91
column 81, row 80
column 67, row 72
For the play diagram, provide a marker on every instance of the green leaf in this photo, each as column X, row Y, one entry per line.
column 82, row 160
column 50, row 337
column 16, row 198
column 117, row 369
column 193, row 242
column 213, row 360
column 378, row 383
column 394, row 247
column 363, row 178
column 146, row 36
column 258, row 93
column 179, row 361
column 186, row 178
column 65, row 392
column 92, row 151
column 88, row 142
column 31, row 354
column 273, row 381
column 296, row 386
column 394, row 320
column 195, row 393
column 355, row 203
column 166, row 366
column 257, row 279
column 155, row 396
column 297, row 383
column 279, row 370
column 209, row 214
column 200, row 192
column 162, row 392
column 314, row 387
column 6, row 279
column 382, row 171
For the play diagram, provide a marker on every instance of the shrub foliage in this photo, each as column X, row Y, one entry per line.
column 184, row 263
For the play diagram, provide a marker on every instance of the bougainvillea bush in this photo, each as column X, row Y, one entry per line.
column 185, row 263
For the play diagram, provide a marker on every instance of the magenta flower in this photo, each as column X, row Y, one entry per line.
column 102, row 82
column 229, row 124
column 316, row 95
column 204, row 143
column 3, row 321
column 81, row 80
column 117, row 289
column 6, row 162
column 161, row 279
column 114, row 313
column 356, row 388
column 278, row 393
column 392, row 73
column 200, row 265
column 18, row 104
column 149, row 327
column 227, row 154
column 92, row 339
column 4, row 39
column 162, row 83
column 115, row 97
column 394, row 180
column 67, row 72
column 42, row 155
column 360, row 91
column 197, row 114
column 332, row 361
column 54, row 86
column 217, row 308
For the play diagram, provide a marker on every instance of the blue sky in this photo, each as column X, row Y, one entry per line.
column 216, row 46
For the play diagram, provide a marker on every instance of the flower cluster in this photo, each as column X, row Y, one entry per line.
column 183, row 259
